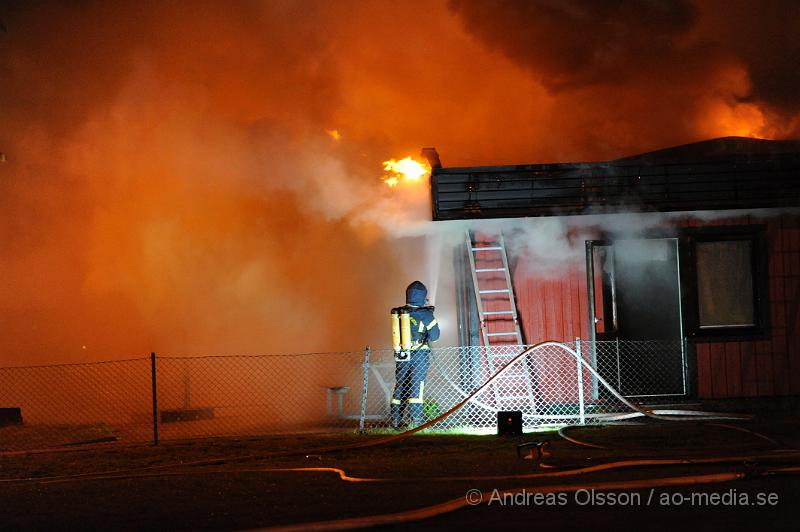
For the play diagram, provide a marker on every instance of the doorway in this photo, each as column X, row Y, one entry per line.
column 635, row 306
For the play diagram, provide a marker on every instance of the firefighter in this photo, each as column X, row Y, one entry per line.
column 411, row 364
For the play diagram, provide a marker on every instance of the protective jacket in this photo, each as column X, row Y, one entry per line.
column 410, row 376
column 424, row 327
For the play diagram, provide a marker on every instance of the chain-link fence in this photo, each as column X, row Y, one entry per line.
column 641, row 368
column 50, row 406
column 192, row 397
column 549, row 385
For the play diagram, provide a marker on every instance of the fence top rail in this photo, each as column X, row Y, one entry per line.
column 73, row 364
column 266, row 355
column 377, row 351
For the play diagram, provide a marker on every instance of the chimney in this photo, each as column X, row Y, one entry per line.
column 432, row 156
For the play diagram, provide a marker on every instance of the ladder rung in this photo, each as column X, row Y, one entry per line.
column 484, row 270
column 493, row 312
column 502, row 334
column 511, row 376
column 504, row 290
column 487, row 248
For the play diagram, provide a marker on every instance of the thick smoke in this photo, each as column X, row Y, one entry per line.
column 657, row 58
column 171, row 184
column 569, row 45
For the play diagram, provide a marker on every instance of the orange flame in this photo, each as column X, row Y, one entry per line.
column 406, row 170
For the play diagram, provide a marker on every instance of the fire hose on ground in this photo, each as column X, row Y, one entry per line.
column 682, row 415
column 455, row 504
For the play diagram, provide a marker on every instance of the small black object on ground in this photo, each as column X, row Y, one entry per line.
column 509, row 423
column 10, row 416
column 176, row 415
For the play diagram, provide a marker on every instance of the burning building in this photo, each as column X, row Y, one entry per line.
column 683, row 262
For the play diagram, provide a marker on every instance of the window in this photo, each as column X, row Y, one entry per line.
column 726, row 282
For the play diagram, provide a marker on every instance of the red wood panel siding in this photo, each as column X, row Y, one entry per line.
column 770, row 367
column 790, row 242
column 554, row 306
column 703, row 370
column 766, row 375
column 719, row 383
column 733, row 369
column 749, row 372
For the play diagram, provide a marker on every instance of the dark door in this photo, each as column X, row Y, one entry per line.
column 635, row 297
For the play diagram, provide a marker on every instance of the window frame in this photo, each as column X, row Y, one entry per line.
column 759, row 269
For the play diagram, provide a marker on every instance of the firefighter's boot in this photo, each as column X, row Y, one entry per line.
column 417, row 414
column 397, row 415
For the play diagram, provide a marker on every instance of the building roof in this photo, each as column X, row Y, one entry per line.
column 719, row 148
column 715, row 174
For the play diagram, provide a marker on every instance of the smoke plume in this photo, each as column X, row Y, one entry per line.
column 172, row 182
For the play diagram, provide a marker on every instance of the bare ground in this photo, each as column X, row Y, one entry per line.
column 162, row 488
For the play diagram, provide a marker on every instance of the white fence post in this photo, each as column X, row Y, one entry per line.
column 364, row 391
column 580, row 381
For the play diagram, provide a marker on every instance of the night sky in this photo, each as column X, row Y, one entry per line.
column 205, row 177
